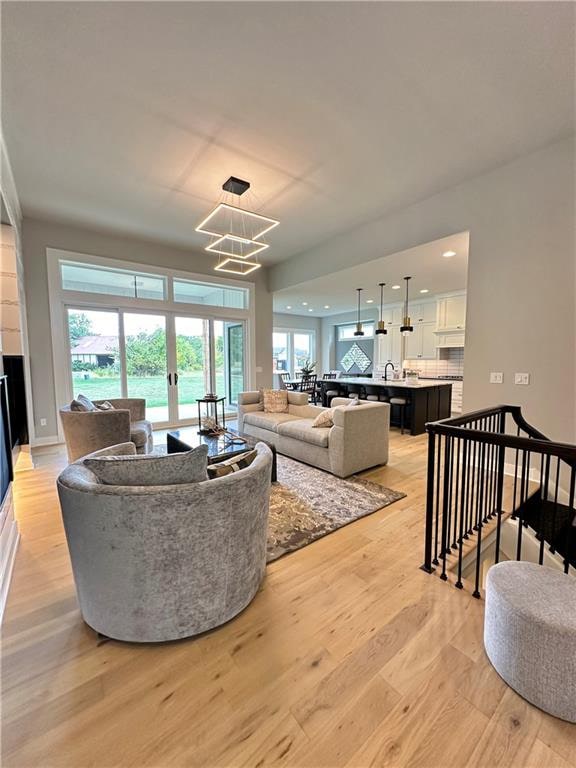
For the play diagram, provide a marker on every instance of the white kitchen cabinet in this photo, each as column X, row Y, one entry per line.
column 421, row 343
column 423, row 313
column 451, row 313
column 390, row 347
column 393, row 315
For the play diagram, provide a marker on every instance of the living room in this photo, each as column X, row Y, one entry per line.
column 178, row 252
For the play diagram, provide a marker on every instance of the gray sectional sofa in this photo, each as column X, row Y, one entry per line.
column 357, row 441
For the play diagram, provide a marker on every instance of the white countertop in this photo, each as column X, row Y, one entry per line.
column 396, row 383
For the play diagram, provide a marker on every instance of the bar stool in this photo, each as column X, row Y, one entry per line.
column 374, row 395
column 401, row 403
column 354, row 391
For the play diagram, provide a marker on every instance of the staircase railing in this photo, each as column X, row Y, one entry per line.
column 488, row 467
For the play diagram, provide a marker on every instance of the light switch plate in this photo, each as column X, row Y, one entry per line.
column 496, row 377
column 522, row 378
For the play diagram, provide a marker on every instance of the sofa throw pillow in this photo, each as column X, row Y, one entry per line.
column 233, row 464
column 105, row 406
column 275, row 400
column 324, row 419
column 154, row 469
column 82, row 403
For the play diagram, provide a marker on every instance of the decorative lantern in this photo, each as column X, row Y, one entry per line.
column 209, row 421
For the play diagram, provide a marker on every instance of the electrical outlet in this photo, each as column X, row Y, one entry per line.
column 522, row 378
column 43, row 422
column 496, row 377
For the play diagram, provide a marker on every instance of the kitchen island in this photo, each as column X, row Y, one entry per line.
column 428, row 400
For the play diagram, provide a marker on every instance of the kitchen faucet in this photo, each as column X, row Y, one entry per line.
column 386, row 370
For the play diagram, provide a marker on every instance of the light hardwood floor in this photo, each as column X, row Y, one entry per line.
column 349, row 656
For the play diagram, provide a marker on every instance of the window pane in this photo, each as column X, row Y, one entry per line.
column 280, row 352
column 346, row 332
column 94, row 353
column 190, row 292
column 112, row 282
column 302, row 350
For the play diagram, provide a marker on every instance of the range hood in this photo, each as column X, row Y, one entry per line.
column 450, row 340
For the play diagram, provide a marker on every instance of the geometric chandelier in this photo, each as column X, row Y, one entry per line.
column 237, row 233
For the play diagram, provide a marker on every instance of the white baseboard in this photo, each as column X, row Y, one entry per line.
column 50, row 440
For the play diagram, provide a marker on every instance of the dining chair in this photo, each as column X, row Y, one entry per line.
column 308, row 384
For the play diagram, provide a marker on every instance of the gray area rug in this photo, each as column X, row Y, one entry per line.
column 307, row 504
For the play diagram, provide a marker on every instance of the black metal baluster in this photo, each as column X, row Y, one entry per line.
column 468, row 528
column 438, row 491
column 500, row 486
column 427, row 565
column 555, row 507
column 456, row 497
column 543, row 494
column 451, row 476
column 513, row 516
column 447, row 452
column 459, row 584
column 476, row 592
column 570, row 537
column 521, row 507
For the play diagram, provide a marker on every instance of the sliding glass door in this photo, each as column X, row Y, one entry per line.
column 94, row 344
column 191, row 377
column 145, row 362
column 169, row 359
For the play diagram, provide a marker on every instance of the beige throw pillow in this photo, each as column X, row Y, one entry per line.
column 234, row 464
column 324, row 419
column 275, row 400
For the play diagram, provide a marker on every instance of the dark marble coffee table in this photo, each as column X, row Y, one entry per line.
column 179, row 440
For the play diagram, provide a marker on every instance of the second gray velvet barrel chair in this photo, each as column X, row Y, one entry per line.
column 89, row 431
column 164, row 562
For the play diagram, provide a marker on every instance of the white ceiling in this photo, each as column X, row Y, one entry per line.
column 424, row 264
column 131, row 115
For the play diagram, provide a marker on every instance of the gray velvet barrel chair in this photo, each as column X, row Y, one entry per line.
column 164, row 562
column 88, row 431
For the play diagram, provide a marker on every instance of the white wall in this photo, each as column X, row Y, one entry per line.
column 39, row 235
column 521, row 278
column 303, row 323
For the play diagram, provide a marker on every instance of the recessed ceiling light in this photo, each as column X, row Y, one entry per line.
column 304, row 303
column 449, row 254
column 310, row 310
column 423, row 290
column 288, row 307
column 326, row 306
column 395, row 287
column 369, row 301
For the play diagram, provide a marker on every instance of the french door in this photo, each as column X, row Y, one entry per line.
column 169, row 359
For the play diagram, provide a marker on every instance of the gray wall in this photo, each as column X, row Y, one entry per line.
column 39, row 235
column 521, row 278
column 330, row 355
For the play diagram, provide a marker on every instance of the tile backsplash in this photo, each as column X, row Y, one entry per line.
column 449, row 363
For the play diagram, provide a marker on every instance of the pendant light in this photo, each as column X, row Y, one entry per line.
column 359, row 331
column 381, row 329
column 236, row 233
column 406, row 328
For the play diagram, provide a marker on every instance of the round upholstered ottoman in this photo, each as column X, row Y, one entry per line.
column 530, row 633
